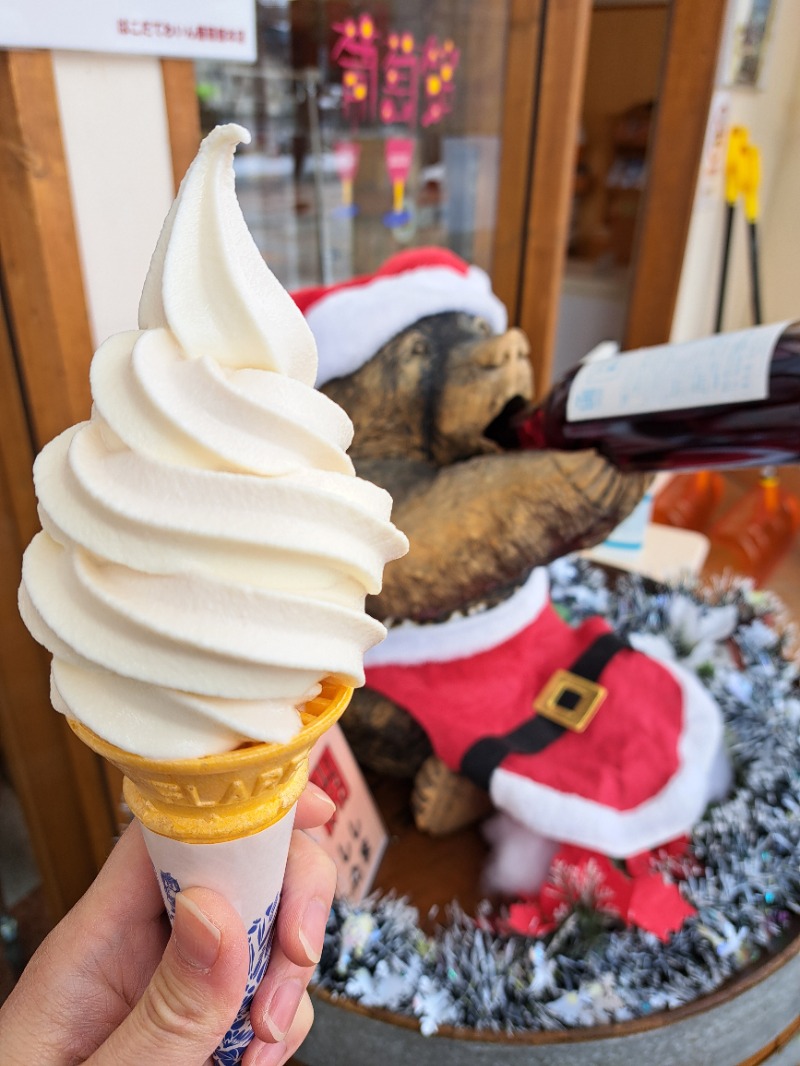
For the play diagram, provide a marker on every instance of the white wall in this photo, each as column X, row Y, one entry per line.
column 772, row 115
column 781, row 230
column 116, row 142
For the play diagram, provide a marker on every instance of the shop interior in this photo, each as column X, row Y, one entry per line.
column 574, row 150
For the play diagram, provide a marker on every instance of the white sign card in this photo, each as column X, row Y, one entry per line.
column 191, row 29
column 355, row 837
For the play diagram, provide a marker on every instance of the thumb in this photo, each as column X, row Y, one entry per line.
column 193, row 996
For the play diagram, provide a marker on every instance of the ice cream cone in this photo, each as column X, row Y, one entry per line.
column 224, row 822
column 222, row 797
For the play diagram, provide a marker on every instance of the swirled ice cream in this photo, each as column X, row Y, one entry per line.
column 206, row 547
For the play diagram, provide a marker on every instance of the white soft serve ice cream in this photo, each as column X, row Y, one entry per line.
column 206, row 546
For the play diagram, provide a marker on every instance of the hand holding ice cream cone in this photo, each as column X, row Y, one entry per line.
column 109, row 988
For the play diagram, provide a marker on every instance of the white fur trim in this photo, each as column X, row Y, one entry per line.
column 673, row 811
column 350, row 325
column 519, row 859
column 461, row 638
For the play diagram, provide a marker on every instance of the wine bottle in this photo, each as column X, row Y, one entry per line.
column 730, row 400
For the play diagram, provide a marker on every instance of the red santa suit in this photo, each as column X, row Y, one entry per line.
column 640, row 773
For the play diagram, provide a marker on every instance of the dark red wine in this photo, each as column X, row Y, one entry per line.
column 705, row 430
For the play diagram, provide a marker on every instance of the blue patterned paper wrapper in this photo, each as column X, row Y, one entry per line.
column 249, row 873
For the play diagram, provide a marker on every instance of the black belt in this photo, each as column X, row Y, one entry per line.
column 567, row 703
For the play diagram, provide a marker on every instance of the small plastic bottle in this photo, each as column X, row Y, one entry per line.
column 688, row 501
column 753, row 536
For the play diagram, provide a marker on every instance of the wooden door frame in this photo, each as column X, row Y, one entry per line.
column 68, row 795
column 46, row 347
column 545, row 74
column 694, row 34
column 547, row 50
column 517, row 138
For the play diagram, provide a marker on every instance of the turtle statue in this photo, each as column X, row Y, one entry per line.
column 420, row 357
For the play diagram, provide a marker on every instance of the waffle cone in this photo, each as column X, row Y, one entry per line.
column 222, row 797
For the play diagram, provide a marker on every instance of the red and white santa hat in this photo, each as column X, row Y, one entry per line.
column 352, row 320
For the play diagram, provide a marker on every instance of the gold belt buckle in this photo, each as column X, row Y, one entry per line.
column 570, row 700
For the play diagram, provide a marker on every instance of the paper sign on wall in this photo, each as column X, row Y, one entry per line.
column 200, row 29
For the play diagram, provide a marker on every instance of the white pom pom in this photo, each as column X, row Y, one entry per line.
column 519, row 859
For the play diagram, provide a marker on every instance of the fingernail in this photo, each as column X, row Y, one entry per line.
column 283, row 1007
column 196, row 938
column 312, row 929
column 321, row 795
column 270, row 1055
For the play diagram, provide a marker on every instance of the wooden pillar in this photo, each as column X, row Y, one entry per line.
column 45, row 348
column 558, row 108
column 517, row 133
column 69, row 796
column 183, row 114
column 41, row 264
column 693, row 37
column 546, row 122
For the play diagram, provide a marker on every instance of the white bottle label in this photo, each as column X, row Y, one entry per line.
column 725, row 368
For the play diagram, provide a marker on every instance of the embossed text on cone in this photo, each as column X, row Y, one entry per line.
column 222, row 797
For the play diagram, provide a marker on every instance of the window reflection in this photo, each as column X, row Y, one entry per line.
column 375, row 128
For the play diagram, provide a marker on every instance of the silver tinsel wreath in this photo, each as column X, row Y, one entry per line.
column 747, row 848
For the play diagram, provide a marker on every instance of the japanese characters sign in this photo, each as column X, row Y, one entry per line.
column 400, row 88
column 202, row 29
column 356, row 52
column 439, row 63
column 394, row 79
column 399, row 80
column 354, row 837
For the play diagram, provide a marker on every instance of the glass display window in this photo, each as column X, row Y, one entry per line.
column 375, row 128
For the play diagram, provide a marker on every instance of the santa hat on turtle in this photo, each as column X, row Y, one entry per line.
column 352, row 321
